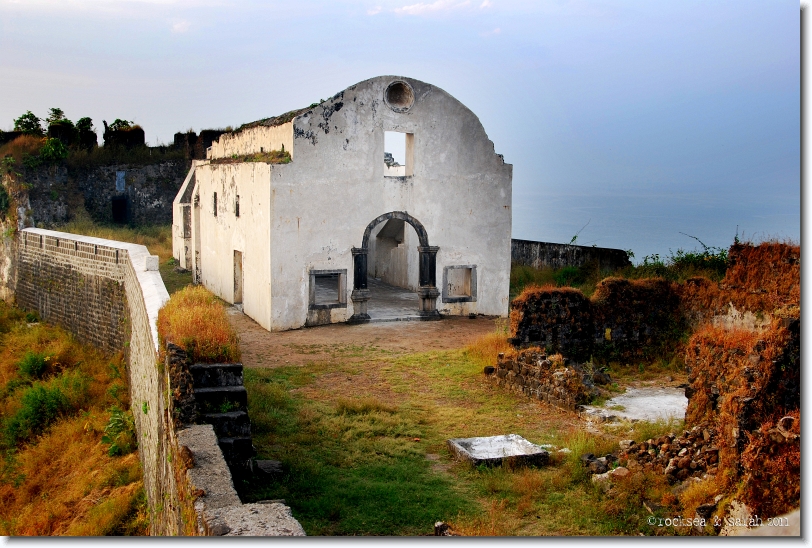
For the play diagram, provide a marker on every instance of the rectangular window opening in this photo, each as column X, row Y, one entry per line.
column 237, row 206
column 398, row 156
column 214, row 204
column 328, row 289
column 459, row 284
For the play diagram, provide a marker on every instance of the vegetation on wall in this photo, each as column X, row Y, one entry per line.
column 272, row 157
column 678, row 266
column 56, row 139
column 195, row 320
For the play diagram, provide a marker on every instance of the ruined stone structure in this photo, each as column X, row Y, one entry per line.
column 297, row 243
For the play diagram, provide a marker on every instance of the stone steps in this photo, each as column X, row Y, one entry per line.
column 236, row 450
column 229, row 425
column 222, row 401
column 210, row 375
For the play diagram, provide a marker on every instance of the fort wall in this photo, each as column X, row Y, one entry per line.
column 108, row 294
column 545, row 254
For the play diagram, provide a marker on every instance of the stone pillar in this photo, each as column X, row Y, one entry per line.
column 428, row 291
column 360, row 293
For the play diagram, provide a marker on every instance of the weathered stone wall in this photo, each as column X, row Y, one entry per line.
column 566, row 385
column 624, row 319
column 108, row 294
column 545, row 254
column 636, row 319
column 253, row 140
column 51, row 194
column 557, row 319
column 747, row 385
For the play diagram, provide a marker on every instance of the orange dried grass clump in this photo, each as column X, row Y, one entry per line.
column 742, row 380
column 22, row 146
column 763, row 277
column 194, row 319
column 760, row 278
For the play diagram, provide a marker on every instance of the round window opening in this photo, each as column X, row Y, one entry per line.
column 399, row 96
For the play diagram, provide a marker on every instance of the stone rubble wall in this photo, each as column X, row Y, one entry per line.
column 51, row 193
column 108, row 294
column 529, row 372
column 624, row 319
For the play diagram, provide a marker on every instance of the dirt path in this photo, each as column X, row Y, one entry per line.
column 261, row 348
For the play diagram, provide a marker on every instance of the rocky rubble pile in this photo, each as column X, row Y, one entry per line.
column 554, row 380
column 693, row 454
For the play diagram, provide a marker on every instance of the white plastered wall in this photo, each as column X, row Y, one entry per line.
column 309, row 214
column 225, row 233
column 253, row 140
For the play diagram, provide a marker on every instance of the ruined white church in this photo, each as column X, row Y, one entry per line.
column 314, row 241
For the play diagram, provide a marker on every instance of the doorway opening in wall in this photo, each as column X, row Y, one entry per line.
column 120, row 207
column 398, row 156
column 238, row 279
column 393, row 271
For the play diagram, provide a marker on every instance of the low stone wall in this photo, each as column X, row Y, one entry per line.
column 556, row 319
column 546, row 254
column 747, row 385
column 108, row 294
column 566, row 385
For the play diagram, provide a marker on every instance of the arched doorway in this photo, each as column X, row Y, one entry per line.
column 427, row 291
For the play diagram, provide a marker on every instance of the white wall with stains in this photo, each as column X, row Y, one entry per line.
column 310, row 213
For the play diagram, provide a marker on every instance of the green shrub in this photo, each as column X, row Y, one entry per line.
column 40, row 406
column 5, row 200
column 34, row 364
column 569, row 276
column 53, row 151
column 120, row 433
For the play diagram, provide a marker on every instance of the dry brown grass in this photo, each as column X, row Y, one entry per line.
column 697, row 494
column 497, row 521
column 62, row 481
column 71, row 485
column 772, row 482
column 194, row 319
column 487, row 347
column 764, row 277
column 24, row 145
column 156, row 238
column 761, row 278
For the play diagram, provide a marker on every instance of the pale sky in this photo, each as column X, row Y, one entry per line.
column 643, row 119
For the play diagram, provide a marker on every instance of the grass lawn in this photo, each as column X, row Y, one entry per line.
column 363, row 451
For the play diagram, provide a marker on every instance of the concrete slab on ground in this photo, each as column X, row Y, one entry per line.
column 645, row 404
column 493, row 450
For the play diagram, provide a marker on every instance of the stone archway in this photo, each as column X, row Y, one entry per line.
column 427, row 290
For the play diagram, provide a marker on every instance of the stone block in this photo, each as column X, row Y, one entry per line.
column 494, row 450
